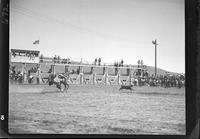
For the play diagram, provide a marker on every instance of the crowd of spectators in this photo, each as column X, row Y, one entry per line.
column 119, row 64
column 15, row 75
column 57, row 59
column 166, row 80
column 30, row 55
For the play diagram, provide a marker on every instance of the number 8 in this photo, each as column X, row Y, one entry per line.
column 2, row 117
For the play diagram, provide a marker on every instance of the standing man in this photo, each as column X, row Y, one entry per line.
column 122, row 62
column 138, row 63
column 99, row 61
column 95, row 61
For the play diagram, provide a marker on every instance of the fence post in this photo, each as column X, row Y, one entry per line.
column 128, row 71
column 129, row 74
column 24, row 73
column 53, row 69
column 39, row 78
column 116, row 70
column 94, row 78
column 118, row 78
column 105, row 74
column 104, row 70
column 93, row 75
column 81, row 74
column 142, row 73
column 66, row 69
column 92, row 70
column 118, row 75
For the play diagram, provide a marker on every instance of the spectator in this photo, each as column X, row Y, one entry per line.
column 58, row 59
column 14, row 54
column 115, row 64
column 95, row 61
column 138, row 63
column 55, row 58
column 141, row 63
column 41, row 58
column 122, row 62
column 99, row 61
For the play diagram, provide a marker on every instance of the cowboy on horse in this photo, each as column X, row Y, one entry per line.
column 60, row 80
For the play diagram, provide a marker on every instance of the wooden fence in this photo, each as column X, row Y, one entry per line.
column 81, row 74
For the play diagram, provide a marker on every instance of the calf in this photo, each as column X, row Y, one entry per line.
column 128, row 87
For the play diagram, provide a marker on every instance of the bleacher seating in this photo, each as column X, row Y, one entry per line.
column 30, row 66
column 24, row 59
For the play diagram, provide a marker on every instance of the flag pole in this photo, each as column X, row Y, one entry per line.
column 155, row 43
column 155, row 58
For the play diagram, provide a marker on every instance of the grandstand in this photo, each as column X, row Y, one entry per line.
column 24, row 56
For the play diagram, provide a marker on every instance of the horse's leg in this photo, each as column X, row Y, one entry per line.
column 58, row 86
column 61, row 87
column 64, row 85
column 67, row 86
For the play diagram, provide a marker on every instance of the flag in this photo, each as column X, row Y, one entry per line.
column 36, row 42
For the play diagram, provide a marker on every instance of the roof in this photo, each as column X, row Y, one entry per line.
column 24, row 51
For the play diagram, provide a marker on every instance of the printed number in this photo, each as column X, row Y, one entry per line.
column 2, row 117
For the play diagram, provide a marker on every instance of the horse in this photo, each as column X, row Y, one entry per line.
column 59, row 80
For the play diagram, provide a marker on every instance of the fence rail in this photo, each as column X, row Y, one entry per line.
column 76, row 62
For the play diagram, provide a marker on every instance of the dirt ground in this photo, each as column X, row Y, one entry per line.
column 99, row 109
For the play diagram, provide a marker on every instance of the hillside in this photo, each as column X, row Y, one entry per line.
column 159, row 71
column 60, row 68
column 151, row 69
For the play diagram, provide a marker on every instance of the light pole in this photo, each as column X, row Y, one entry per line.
column 155, row 43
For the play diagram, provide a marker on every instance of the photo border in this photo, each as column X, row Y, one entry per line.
column 192, row 113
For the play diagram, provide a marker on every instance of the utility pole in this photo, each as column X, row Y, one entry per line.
column 155, row 43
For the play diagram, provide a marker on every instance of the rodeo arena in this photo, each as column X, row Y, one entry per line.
column 62, row 95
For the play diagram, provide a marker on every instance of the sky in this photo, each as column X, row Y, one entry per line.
column 109, row 29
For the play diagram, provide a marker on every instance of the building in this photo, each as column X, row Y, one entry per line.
column 24, row 56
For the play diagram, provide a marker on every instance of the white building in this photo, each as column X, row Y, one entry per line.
column 24, row 56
